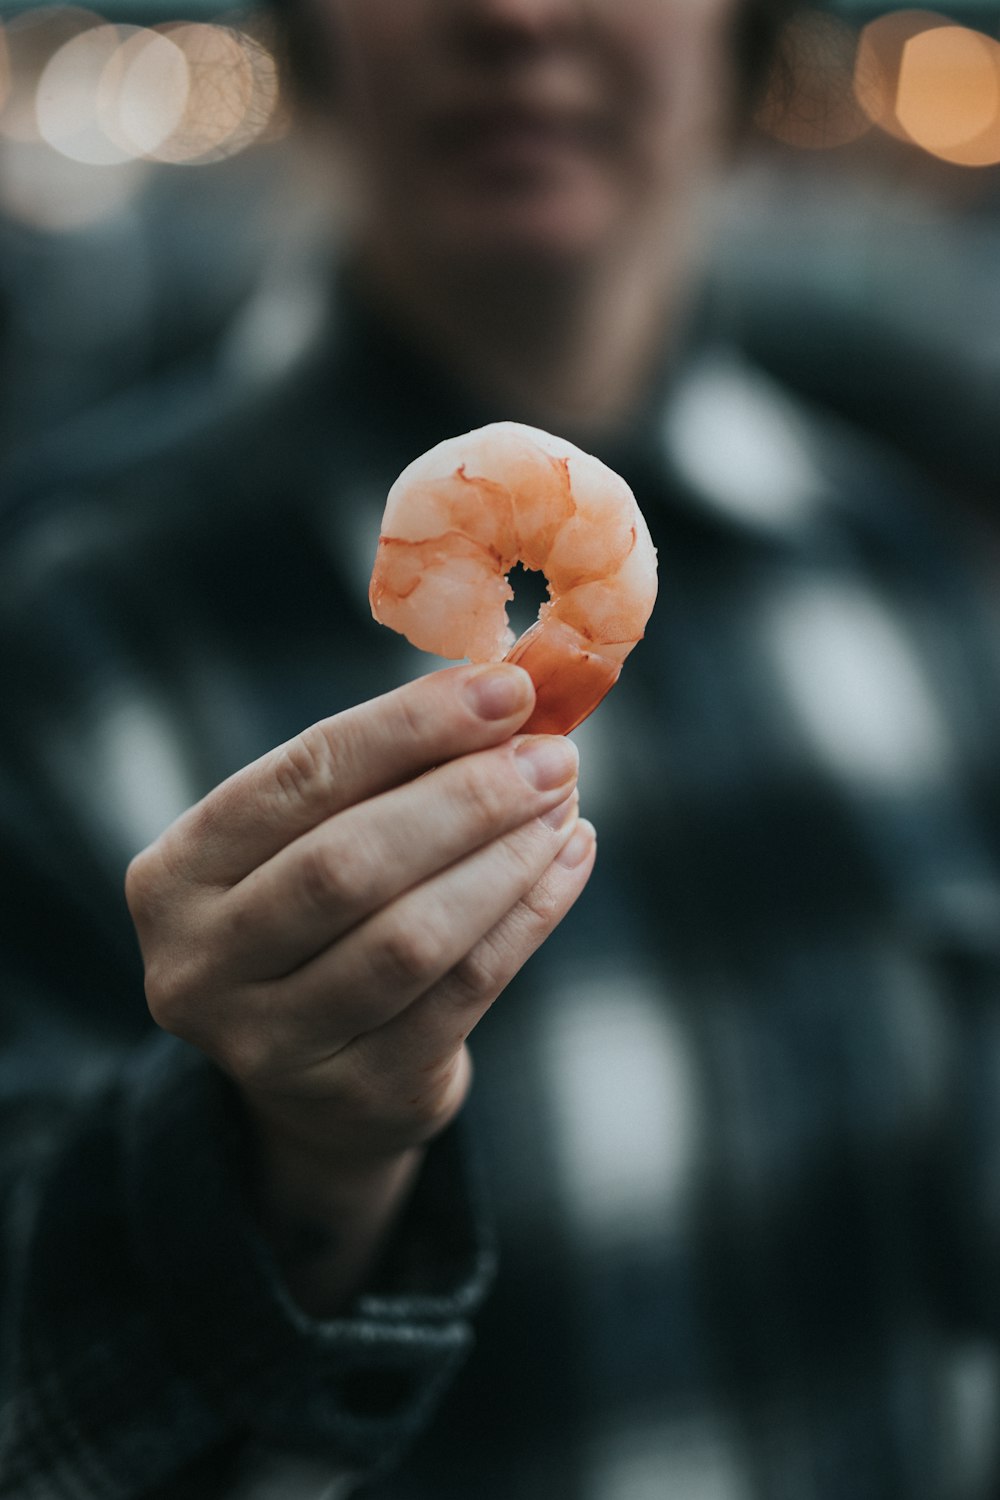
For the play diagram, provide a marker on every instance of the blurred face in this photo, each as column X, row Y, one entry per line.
column 547, row 131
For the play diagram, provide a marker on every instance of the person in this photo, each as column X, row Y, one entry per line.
column 716, row 1215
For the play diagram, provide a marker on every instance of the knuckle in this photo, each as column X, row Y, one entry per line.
column 487, row 968
column 421, row 714
column 247, row 1054
column 436, row 1103
column 169, row 985
column 483, row 792
column 330, row 877
column 478, row 976
column 238, row 926
column 232, row 1035
column 195, row 832
column 525, row 860
column 541, row 907
column 411, row 718
column 307, row 769
column 139, row 882
column 162, row 871
column 179, row 987
column 409, row 952
column 151, row 880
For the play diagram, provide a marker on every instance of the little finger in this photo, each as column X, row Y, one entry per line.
column 418, row 1047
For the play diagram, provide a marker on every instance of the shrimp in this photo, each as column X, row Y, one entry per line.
column 457, row 520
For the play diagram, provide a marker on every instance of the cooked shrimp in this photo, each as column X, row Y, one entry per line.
column 457, row 520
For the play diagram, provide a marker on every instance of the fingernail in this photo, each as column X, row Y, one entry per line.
column 578, row 846
column 547, row 762
column 557, row 817
column 498, row 692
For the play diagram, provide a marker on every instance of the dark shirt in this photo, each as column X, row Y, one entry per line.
column 721, row 1216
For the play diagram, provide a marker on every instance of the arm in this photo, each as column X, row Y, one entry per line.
column 151, row 1330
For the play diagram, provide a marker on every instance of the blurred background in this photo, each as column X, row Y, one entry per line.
column 155, row 237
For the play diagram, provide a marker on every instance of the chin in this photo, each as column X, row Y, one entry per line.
column 560, row 231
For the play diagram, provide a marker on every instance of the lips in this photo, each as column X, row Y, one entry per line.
column 516, row 139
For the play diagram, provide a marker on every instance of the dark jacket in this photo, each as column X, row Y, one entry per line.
column 721, row 1217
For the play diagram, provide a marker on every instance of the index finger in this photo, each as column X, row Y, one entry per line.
column 341, row 761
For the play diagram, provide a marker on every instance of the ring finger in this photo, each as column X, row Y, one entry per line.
column 318, row 888
column 381, row 966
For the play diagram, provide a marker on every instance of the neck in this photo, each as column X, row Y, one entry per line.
column 571, row 353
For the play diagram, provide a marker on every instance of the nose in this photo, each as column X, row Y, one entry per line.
column 514, row 23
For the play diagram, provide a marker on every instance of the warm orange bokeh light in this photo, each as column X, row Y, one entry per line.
column 948, row 94
column 879, row 58
column 933, row 84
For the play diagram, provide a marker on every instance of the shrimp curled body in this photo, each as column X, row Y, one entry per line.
column 457, row 520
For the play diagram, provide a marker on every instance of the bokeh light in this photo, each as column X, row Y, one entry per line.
column 144, row 93
column 231, row 97
column 948, row 94
column 111, row 97
column 914, row 74
column 932, row 84
column 70, row 93
column 811, row 101
column 103, row 94
column 32, row 39
column 88, row 109
column 879, row 58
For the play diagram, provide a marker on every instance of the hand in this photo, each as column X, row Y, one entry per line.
column 331, row 923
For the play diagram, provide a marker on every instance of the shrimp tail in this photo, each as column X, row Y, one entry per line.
column 570, row 680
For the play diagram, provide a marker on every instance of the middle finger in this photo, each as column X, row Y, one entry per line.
column 324, row 883
column 398, row 954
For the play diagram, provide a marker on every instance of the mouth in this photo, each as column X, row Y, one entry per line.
column 516, row 141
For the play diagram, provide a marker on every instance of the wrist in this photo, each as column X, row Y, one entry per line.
column 327, row 1210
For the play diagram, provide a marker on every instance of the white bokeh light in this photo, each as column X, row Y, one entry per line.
column 857, row 686
column 144, row 93
column 68, row 97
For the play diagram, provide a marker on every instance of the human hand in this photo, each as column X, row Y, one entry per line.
column 331, row 923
